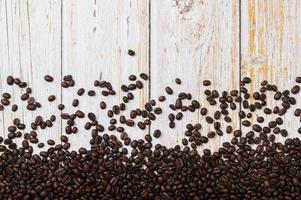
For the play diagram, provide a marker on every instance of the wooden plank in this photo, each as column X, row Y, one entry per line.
column 96, row 38
column 194, row 41
column 271, row 43
column 31, row 50
column 3, row 57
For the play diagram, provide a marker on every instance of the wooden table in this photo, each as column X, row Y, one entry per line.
column 191, row 39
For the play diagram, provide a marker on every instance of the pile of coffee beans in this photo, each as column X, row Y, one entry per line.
column 251, row 165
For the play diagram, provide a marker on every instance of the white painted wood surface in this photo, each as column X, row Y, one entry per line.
column 193, row 44
column 189, row 39
column 271, row 43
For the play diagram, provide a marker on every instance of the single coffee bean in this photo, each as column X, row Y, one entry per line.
column 178, row 81
column 257, row 128
column 132, row 77
column 144, row 76
column 211, row 134
column 206, row 83
column 204, row 111
column 14, row 108
column 48, row 78
column 141, row 125
column 131, row 52
column 195, row 104
column 209, row 120
column 295, row 89
column 10, row 80
column 169, row 90
column 157, row 133
column 91, row 93
column 75, row 102
column 102, row 105
column 80, row 91
column 162, row 98
column 51, row 98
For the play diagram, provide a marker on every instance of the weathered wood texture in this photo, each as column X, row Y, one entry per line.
column 190, row 39
column 96, row 37
column 194, row 43
column 30, row 48
column 271, row 50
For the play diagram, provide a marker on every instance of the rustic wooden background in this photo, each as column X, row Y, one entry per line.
column 190, row 39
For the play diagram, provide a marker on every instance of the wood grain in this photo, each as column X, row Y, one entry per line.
column 271, row 43
column 30, row 49
column 194, row 41
column 96, row 38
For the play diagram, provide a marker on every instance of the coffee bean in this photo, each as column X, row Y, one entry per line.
column 139, row 84
column 297, row 112
column 102, row 105
column 204, row 111
column 10, row 80
column 131, row 52
column 144, row 76
column 75, row 102
column 169, row 90
column 141, row 125
column 162, row 98
column 48, row 78
column 14, row 108
column 206, row 83
column 157, row 133
column 195, row 104
column 211, row 134
column 295, row 89
column 51, row 98
column 257, row 128
column 209, row 120
column 246, row 80
column 50, row 142
column 91, row 93
column 61, row 107
column 80, row 91
column 178, row 81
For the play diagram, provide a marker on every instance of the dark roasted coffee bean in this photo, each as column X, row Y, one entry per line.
column 157, row 133
column 162, row 98
column 256, row 128
column 246, row 80
column 204, row 111
column 297, row 112
column 206, row 82
column 75, row 102
column 246, row 123
column 295, row 89
column 211, row 134
column 6, row 95
column 51, row 98
column 91, row 93
column 5, row 102
column 10, row 80
column 130, row 122
column 80, row 91
column 144, row 76
column 169, row 90
column 209, row 120
column 171, row 117
column 48, row 78
column 141, row 125
column 179, row 116
column 61, row 106
column 102, row 105
column 131, row 52
column 139, row 84
column 195, row 104
column 178, row 81
column 14, row 108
